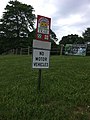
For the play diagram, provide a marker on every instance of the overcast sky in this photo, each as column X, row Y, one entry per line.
column 67, row 16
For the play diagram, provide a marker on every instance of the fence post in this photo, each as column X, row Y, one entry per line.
column 61, row 50
column 16, row 51
column 28, row 50
column 12, row 51
column 21, row 51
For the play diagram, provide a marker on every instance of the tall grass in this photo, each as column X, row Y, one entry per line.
column 64, row 95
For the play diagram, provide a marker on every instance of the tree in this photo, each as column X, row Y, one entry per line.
column 72, row 39
column 17, row 22
column 53, row 35
column 86, row 35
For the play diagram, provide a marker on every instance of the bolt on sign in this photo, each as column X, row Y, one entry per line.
column 43, row 28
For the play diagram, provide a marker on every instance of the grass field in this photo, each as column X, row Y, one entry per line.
column 64, row 95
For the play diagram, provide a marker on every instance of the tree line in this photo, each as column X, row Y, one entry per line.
column 17, row 28
column 75, row 39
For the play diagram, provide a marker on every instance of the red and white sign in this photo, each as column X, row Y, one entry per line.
column 43, row 28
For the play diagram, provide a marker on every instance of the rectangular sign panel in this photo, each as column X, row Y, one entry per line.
column 41, row 44
column 43, row 28
column 41, row 54
column 40, row 58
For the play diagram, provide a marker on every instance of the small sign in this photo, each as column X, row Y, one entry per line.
column 41, row 54
column 43, row 28
column 41, row 58
column 41, row 44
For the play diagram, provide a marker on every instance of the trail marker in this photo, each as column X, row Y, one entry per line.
column 43, row 28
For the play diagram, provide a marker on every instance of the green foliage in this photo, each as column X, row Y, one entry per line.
column 72, row 39
column 86, row 35
column 17, row 20
column 64, row 95
column 53, row 40
column 53, row 35
column 16, row 25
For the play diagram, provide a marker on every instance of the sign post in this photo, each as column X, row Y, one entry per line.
column 41, row 46
column 39, row 79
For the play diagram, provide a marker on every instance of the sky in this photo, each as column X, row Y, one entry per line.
column 67, row 16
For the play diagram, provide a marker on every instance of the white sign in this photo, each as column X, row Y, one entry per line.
column 41, row 54
column 41, row 44
column 40, row 58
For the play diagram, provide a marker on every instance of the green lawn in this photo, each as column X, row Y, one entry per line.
column 64, row 95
